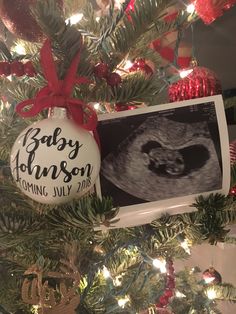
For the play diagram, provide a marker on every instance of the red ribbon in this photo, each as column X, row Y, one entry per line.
column 58, row 93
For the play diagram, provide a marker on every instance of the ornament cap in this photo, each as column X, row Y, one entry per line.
column 58, row 113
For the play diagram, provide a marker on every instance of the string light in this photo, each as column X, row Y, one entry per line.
column 209, row 280
column 211, row 293
column 74, row 19
column 97, row 19
column 106, row 273
column 185, row 246
column 179, row 294
column 190, row 8
column 128, row 64
column 96, row 106
column 184, row 73
column 117, row 282
column 122, row 302
column 19, row 49
column 161, row 264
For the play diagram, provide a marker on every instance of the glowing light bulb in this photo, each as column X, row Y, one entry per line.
column 19, row 49
column 209, row 280
column 106, row 273
column 185, row 246
column 97, row 19
column 96, row 106
column 190, row 8
column 184, row 73
column 161, row 264
column 178, row 294
column 122, row 302
column 211, row 293
column 128, row 64
column 74, row 19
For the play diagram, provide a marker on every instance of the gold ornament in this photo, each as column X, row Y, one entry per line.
column 60, row 300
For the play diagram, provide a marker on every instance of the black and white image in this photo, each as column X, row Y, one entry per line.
column 159, row 154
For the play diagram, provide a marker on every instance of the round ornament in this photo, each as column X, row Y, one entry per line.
column 113, row 79
column 210, row 10
column 201, row 82
column 101, row 70
column 141, row 65
column 54, row 160
column 18, row 19
column 211, row 276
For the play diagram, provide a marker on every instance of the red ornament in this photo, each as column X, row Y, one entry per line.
column 18, row 19
column 5, row 68
column 211, row 276
column 141, row 65
column 29, row 69
column 17, row 68
column 123, row 107
column 113, row 79
column 210, row 10
column 232, row 149
column 101, row 70
column 201, row 82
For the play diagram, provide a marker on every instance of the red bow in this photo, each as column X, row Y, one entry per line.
column 58, row 93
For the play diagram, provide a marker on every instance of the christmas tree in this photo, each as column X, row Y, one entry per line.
column 64, row 257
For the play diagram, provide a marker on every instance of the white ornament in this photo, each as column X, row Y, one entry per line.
column 54, row 161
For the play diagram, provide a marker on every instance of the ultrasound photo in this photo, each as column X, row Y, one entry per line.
column 151, row 155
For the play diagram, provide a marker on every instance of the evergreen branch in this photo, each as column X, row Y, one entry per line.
column 86, row 213
column 230, row 102
column 127, row 34
column 67, row 39
column 230, row 240
column 224, row 292
column 233, row 175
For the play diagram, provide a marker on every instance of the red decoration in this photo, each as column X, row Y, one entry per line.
column 210, row 10
column 211, row 276
column 141, row 65
column 59, row 93
column 129, row 8
column 201, row 82
column 29, row 69
column 169, row 289
column 165, row 46
column 18, row 19
column 123, row 107
column 232, row 148
column 101, row 70
column 17, row 68
column 5, row 68
column 113, row 79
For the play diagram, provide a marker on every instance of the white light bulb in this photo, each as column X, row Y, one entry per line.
column 122, row 302
column 128, row 64
column 211, row 294
column 19, row 49
column 185, row 246
column 179, row 294
column 209, row 280
column 161, row 264
column 184, row 73
column 97, row 19
column 74, row 19
column 96, row 106
column 190, row 8
column 106, row 273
